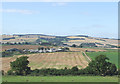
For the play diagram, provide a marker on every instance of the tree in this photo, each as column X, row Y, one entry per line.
column 7, row 43
column 74, row 45
column 74, row 68
column 26, row 43
column 2, row 72
column 66, row 48
column 20, row 66
column 19, row 43
column 15, row 43
column 101, row 66
column 41, row 48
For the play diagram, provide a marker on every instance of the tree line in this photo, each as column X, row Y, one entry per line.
column 17, row 43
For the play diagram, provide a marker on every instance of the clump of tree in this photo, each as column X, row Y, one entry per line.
column 41, row 48
column 19, row 66
column 101, row 66
column 51, row 41
column 7, row 54
column 87, row 45
column 11, row 52
column 74, row 45
column 17, row 43
column 8, row 38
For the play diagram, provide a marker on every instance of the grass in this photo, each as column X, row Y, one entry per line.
column 112, row 55
column 59, row 79
column 43, row 40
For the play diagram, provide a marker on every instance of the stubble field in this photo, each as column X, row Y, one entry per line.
column 51, row 60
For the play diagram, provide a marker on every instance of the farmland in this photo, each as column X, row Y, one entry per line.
column 111, row 54
column 58, row 59
column 51, row 60
column 5, row 47
column 56, row 41
column 59, row 79
column 20, row 47
column 59, row 40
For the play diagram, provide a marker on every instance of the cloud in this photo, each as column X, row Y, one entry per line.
column 59, row 4
column 18, row 11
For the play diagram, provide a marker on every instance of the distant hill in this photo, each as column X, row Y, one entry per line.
column 68, row 40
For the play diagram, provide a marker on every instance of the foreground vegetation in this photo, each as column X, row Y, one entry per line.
column 59, row 79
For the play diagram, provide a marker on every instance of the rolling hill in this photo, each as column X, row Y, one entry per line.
column 59, row 40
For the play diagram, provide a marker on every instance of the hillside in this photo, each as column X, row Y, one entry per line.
column 59, row 40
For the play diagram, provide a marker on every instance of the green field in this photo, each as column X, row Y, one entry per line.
column 59, row 79
column 112, row 55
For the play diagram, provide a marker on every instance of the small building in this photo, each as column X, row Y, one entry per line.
column 33, row 51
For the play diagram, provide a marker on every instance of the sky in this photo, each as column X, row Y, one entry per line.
column 97, row 19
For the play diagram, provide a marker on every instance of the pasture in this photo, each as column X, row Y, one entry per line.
column 59, row 79
column 111, row 54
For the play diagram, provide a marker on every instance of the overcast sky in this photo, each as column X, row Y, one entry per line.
column 76, row 18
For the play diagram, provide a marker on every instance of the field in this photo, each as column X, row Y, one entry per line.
column 111, row 54
column 69, row 39
column 91, row 40
column 50, row 60
column 59, row 79
column 58, row 59
column 20, row 47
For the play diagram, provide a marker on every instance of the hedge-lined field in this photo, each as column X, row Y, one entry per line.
column 59, row 79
